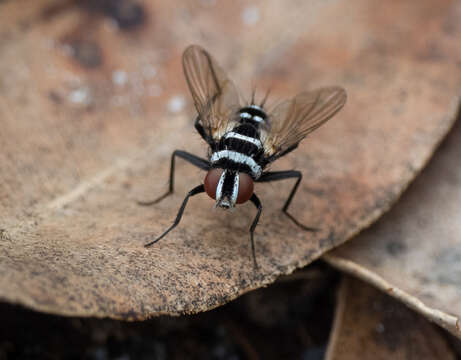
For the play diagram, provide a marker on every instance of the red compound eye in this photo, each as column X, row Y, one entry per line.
column 245, row 185
column 211, row 182
column 245, row 188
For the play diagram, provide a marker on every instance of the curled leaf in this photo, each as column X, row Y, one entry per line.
column 413, row 253
column 371, row 325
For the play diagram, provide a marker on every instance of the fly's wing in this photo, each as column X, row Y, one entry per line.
column 292, row 120
column 215, row 96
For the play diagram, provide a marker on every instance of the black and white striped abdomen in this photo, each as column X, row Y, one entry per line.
column 253, row 114
column 239, row 150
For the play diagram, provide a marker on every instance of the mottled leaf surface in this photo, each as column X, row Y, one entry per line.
column 93, row 102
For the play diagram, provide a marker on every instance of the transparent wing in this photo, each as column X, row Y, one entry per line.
column 215, row 96
column 292, row 120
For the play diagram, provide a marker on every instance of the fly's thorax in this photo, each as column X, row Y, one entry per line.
column 228, row 187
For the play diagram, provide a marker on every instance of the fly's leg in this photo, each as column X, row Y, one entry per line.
column 193, row 159
column 255, row 200
column 197, row 190
column 283, row 175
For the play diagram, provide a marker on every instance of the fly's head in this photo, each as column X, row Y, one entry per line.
column 228, row 187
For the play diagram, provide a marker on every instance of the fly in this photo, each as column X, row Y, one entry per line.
column 244, row 139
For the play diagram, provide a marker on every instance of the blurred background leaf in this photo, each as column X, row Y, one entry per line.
column 371, row 325
column 414, row 251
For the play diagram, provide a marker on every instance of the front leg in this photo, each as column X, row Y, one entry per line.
column 282, row 175
column 197, row 190
column 255, row 200
column 191, row 158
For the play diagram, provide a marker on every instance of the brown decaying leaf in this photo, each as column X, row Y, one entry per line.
column 371, row 325
column 90, row 115
column 414, row 252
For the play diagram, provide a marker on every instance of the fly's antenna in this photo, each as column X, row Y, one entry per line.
column 265, row 98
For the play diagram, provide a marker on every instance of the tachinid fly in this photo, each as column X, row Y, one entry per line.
column 243, row 140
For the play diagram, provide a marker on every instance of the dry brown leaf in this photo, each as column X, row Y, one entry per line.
column 90, row 113
column 414, row 252
column 371, row 325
